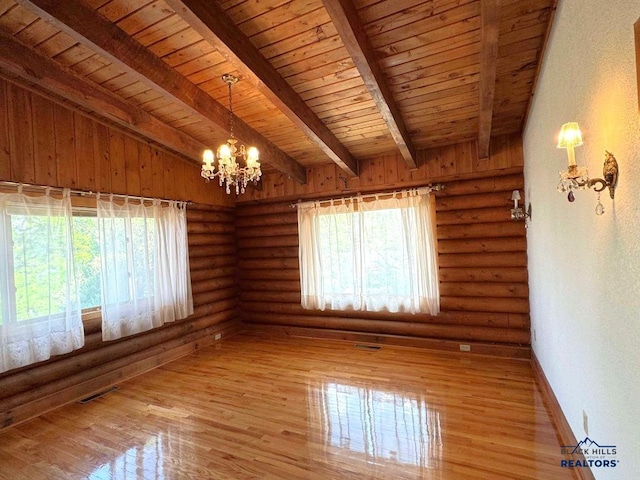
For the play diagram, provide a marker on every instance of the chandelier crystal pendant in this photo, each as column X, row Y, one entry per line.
column 230, row 155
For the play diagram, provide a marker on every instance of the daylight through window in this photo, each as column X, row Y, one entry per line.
column 376, row 255
column 129, row 258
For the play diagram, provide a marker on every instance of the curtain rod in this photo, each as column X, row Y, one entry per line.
column 87, row 193
column 426, row 189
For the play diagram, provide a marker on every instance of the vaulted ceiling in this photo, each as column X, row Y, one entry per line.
column 320, row 80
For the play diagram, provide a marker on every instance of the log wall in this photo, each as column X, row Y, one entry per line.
column 42, row 142
column 481, row 253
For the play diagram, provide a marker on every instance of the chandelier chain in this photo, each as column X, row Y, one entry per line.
column 230, row 110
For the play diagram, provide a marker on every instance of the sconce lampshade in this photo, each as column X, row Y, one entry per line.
column 515, row 195
column 570, row 136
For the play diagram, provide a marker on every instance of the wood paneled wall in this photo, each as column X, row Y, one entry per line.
column 44, row 143
column 481, row 253
column 388, row 172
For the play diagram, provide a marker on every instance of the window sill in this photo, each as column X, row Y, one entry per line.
column 92, row 320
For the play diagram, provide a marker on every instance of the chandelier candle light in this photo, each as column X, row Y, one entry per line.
column 230, row 173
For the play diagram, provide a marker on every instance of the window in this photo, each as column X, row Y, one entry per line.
column 145, row 265
column 86, row 249
column 374, row 255
column 40, row 313
column 38, row 260
column 28, row 235
column 129, row 258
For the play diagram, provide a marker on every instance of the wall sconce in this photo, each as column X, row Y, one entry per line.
column 518, row 213
column 577, row 178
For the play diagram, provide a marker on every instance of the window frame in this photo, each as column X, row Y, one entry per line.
column 8, row 308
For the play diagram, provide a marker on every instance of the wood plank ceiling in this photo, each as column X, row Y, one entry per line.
column 321, row 80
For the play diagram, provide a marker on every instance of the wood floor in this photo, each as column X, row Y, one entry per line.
column 259, row 408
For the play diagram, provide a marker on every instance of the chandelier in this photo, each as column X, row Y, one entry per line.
column 229, row 154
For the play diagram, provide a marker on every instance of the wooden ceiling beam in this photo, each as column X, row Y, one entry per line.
column 212, row 22
column 347, row 22
column 88, row 27
column 17, row 61
column 490, row 31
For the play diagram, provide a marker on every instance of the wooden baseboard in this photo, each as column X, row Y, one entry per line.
column 565, row 434
column 144, row 362
column 497, row 350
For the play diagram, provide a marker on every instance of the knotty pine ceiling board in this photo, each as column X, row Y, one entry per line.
column 155, row 32
column 448, row 24
column 5, row 5
column 315, row 64
column 36, row 32
column 147, row 16
column 440, row 51
column 15, row 18
column 522, row 30
column 270, row 21
column 305, row 44
column 117, row 10
column 429, row 51
column 118, row 83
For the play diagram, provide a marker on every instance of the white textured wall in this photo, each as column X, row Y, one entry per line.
column 584, row 270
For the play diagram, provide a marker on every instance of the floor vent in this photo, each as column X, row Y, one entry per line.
column 98, row 395
column 368, row 347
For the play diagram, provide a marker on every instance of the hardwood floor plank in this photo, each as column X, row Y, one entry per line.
column 255, row 406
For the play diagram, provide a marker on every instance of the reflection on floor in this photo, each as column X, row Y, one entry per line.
column 259, row 408
column 147, row 459
column 379, row 425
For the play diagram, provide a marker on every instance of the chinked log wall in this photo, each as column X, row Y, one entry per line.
column 42, row 142
column 481, row 253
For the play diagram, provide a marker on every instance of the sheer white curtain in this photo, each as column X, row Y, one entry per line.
column 374, row 255
column 145, row 265
column 39, row 299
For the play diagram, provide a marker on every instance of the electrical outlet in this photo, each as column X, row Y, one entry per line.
column 465, row 347
column 585, row 422
column 218, row 336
